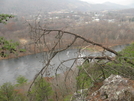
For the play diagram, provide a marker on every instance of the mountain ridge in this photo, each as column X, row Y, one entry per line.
column 54, row 5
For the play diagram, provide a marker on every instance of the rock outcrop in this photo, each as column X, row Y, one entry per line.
column 114, row 88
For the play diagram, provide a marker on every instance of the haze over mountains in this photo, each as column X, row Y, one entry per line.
column 22, row 6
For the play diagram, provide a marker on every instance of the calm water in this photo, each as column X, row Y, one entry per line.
column 30, row 65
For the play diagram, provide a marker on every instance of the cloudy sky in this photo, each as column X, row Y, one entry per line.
column 122, row 2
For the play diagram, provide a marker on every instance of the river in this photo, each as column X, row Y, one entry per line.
column 30, row 65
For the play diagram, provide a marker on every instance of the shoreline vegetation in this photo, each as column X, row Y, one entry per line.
column 90, row 48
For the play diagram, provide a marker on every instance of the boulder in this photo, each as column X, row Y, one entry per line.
column 114, row 88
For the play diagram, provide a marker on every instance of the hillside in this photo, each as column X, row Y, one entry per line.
column 28, row 6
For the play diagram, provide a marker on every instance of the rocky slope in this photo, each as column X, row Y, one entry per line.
column 114, row 88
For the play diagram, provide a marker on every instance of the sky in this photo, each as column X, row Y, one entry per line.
column 121, row 2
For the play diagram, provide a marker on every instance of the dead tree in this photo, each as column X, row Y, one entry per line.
column 53, row 42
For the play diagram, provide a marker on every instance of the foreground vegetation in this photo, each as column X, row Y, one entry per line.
column 94, row 72
column 41, row 91
column 8, row 47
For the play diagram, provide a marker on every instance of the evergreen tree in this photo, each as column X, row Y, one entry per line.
column 7, row 47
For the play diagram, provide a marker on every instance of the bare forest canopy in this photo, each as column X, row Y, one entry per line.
column 109, row 28
column 113, row 27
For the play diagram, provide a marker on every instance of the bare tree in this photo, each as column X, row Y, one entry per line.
column 54, row 42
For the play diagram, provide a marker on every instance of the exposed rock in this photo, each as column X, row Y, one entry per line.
column 114, row 88
column 79, row 95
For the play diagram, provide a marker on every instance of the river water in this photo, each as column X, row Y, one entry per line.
column 30, row 65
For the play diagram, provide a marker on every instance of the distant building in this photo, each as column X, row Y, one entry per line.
column 96, row 20
column 111, row 20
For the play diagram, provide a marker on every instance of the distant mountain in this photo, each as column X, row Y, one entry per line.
column 113, row 5
column 33, row 6
column 127, row 11
column 45, row 5
column 131, row 5
column 110, row 6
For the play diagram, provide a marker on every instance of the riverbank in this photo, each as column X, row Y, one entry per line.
column 90, row 48
column 30, row 65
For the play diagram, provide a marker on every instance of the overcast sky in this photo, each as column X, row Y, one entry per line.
column 122, row 2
